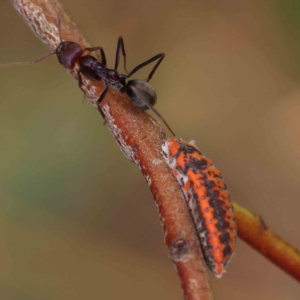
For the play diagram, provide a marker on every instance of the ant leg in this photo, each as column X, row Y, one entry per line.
column 159, row 115
column 80, row 83
column 102, row 96
column 119, row 48
column 155, row 67
column 160, row 57
column 103, row 57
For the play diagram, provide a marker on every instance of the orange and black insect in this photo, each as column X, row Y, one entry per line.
column 208, row 200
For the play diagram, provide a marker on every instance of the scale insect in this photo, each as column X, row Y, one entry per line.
column 70, row 54
column 208, row 200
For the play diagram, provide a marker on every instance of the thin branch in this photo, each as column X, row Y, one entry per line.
column 140, row 138
column 254, row 231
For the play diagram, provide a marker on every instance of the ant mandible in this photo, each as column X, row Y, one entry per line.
column 69, row 53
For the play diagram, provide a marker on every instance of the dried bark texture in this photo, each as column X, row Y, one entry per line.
column 140, row 138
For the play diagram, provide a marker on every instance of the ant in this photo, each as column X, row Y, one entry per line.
column 69, row 53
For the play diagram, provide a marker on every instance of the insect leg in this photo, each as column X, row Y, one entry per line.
column 80, row 83
column 103, row 57
column 120, row 47
column 79, row 78
column 102, row 96
column 159, row 115
column 159, row 56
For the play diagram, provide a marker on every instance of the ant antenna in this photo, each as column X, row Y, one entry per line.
column 26, row 62
column 58, row 25
column 58, row 20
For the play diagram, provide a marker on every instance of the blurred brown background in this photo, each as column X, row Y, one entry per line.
column 77, row 219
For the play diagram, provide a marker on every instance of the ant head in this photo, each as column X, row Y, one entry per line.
column 68, row 53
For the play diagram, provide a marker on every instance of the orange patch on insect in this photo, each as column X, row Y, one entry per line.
column 208, row 200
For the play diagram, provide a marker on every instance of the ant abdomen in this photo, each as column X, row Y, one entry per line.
column 140, row 92
column 143, row 95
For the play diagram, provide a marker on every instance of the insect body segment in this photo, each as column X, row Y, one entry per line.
column 141, row 93
column 68, row 53
column 208, row 201
column 144, row 96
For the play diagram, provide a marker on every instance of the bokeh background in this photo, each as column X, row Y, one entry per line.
column 77, row 220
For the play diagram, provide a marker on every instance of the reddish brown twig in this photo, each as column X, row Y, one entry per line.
column 140, row 138
column 253, row 230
